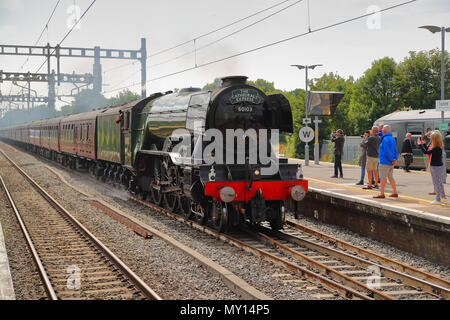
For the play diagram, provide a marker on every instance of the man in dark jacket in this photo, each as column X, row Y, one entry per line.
column 407, row 152
column 363, row 157
column 339, row 141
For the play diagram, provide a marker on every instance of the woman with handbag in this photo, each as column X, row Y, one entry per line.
column 436, row 164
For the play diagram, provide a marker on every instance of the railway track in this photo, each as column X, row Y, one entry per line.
column 336, row 269
column 360, row 269
column 72, row 262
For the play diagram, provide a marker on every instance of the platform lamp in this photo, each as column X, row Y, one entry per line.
column 443, row 30
column 316, row 144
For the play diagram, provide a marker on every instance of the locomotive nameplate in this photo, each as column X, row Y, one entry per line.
column 245, row 95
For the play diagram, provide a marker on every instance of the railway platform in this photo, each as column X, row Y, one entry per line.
column 6, row 284
column 409, row 222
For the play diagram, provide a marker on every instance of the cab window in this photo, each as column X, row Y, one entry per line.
column 196, row 114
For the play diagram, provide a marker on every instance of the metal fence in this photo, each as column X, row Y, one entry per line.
column 351, row 149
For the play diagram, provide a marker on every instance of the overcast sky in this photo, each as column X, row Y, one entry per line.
column 347, row 49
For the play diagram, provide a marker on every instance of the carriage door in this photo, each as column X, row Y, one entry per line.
column 125, row 140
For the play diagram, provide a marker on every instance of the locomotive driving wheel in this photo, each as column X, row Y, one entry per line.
column 156, row 183
column 219, row 216
column 170, row 175
column 277, row 222
column 185, row 207
column 199, row 213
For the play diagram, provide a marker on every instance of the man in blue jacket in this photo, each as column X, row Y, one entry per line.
column 388, row 157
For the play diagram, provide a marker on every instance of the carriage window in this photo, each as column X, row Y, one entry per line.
column 414, row 140
column 447, row 142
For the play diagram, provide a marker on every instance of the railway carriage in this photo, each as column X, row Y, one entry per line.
column 50, row 137
column 77, row 136
column 416, row 122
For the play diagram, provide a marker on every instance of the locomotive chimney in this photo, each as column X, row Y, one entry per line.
column 233, row 81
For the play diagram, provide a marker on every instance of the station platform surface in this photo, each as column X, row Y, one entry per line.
column 6, row 284
column 413, row 187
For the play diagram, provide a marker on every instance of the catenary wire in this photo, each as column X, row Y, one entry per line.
column 226, row 36
column 39, row 38
column 69, row 32
column 218, row 29
column 202, row 35
column 269, row 44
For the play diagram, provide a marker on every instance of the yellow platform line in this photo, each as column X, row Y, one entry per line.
column 369, row 190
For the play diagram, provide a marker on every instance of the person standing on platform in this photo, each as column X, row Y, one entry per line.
column 380, row 136
column 436, row 164
column 373, row 145
column 363, row 157
column 407, row 152
column 428, row 145
column 387, row 160
column 339, row 141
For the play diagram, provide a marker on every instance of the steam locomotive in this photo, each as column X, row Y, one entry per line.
column 166, row 149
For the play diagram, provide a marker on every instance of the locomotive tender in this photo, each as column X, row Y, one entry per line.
column 136, row 145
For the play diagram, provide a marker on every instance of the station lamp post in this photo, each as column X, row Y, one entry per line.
column 307, row 120
column 435, row 29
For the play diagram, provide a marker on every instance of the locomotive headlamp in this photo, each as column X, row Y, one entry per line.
column 227, row 194
column 257, row 172
column 297, row 193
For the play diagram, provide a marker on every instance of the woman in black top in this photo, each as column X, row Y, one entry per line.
column 436, row 164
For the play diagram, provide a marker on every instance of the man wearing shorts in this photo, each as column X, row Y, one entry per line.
column 387, row 160
column 372, row 144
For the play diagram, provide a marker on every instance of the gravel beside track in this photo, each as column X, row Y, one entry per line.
column 258, row 273
column 26, row 280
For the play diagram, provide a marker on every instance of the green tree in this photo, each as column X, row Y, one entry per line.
column 211, row 86
column 88, row 100
column 264, row 85
column 374, row 95
column 123, row 97
column 294, row 147
column 419, row 79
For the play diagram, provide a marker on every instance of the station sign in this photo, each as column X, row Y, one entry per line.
column 323, row 103
column 306, row 121
column 443, row 127
column 443, row 105
column 306, row 134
